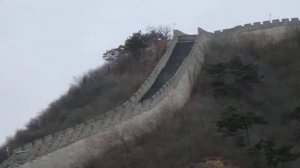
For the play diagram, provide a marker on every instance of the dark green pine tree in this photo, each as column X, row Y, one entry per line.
column 232, row 120
column 230, row 78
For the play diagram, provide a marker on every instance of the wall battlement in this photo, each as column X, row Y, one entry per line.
column 260, row 25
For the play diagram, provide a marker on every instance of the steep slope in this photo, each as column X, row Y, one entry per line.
column 97, row 91
column 191, row 135
column 72, row 140
column 180, row 52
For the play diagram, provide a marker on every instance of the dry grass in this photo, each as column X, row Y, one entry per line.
column 190, row 135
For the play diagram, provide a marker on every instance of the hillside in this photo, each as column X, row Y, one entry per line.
column 99, row 90
column 228, row 99
column 247, row 73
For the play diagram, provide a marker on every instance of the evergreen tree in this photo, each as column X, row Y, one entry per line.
column 229, row 79
column 231, row 121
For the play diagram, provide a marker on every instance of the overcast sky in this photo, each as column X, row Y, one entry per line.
column 44, row 44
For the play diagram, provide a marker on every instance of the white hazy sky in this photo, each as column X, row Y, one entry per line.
column 45, row 43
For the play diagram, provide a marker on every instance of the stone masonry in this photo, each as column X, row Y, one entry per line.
column 173, row 85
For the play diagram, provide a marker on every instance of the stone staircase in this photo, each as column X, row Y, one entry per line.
column 180, row 52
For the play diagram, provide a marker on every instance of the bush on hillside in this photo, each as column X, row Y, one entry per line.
column 99, row 90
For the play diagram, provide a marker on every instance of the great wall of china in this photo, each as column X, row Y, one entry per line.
column 168, row 86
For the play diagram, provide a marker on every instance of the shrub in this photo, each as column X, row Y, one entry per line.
column 97, row 91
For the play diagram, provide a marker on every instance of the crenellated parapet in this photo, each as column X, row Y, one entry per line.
column 259, row 26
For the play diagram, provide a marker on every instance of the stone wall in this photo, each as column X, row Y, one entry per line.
column 259, row 26
column 63, row 147
column 175, row 93
column 102, row 123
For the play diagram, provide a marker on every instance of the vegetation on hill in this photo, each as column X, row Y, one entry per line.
column 244, row 108
column 100, row 89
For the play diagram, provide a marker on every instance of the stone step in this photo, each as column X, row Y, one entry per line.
column 180, row 52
